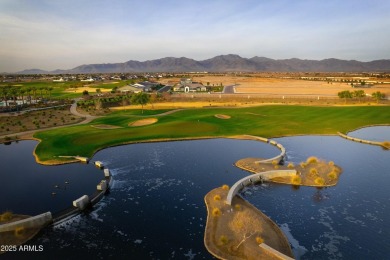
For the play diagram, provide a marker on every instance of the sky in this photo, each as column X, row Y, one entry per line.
column 58, row 34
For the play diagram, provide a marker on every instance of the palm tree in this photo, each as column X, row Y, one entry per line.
column 28, row 91
column 50, row 89
column 40, row 90
column 34, row 91
column 4, row 94
column 14, row 92
column 22, row 91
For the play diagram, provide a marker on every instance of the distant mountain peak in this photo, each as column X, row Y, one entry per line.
column 225, row 63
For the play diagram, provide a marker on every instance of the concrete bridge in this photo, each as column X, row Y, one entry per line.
column 355, row 139
column 277, row 158
column 258, row 177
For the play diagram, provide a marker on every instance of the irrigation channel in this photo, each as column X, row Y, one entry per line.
column 155, row 209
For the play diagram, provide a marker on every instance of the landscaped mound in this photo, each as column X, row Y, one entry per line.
column 142, row 122
column 312, row 172
column 235, row 232
column 220, row 116
column 105, row 126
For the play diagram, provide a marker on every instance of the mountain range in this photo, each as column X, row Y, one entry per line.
column 226, row 63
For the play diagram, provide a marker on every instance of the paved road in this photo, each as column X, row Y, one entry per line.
column 229, row 89
column 88, row 118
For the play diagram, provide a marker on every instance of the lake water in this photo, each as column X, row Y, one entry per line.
column 156, row 210
column 27, row 187
column 377, row 133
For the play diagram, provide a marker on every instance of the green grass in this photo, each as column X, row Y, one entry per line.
column 138, row 112
column 270, row 121
column 59, row 88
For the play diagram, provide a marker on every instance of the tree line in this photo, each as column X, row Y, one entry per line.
column 27, row 94
column 359, row 94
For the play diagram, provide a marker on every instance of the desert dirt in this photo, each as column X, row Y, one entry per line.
column 232, row 234
column 37, row 120
column 280, row 86
column 308, row 172
column 143, row 122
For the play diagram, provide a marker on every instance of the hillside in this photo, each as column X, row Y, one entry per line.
column 226, row 63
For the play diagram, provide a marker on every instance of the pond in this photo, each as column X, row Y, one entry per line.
column 155, row 209
column 30, row 188
column 377, row 133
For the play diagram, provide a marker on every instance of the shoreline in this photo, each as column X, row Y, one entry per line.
column 239, row 137
column 234, row 223
column 54, row 161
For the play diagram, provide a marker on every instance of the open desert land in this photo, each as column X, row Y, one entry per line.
column 281, row 86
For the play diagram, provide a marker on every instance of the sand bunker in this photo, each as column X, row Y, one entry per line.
column 142, row 122
column 220, row 116
column 89, row 89
column 105, row 126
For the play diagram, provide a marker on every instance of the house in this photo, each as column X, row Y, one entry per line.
column 87, row 80
column 187, row 85
column 59, row 80
column 129, row 89
column 145, row 86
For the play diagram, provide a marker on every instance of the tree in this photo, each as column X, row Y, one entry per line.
column 378, row 96
column 34, row 91
column 4, row 94
column 85, row 93
column 41, row 91
column 359, row 94
column 50, row 89
column 28, row 91
column 22, row 91
column 345, row 94
column 98, row 104
column 140, row 99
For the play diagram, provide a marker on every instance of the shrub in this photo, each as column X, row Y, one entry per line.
column 336, row 170
column 332, row 175
column 319, row 181
column 312, row 159
column 313, row 172
column 275, row 162
column 6, row 216
column 276, row 167
column 290, row 165
column 259, row 240
column 19, row 231
column 217, row 197
column 216, row 212
column 296, row 180
column 225, row 187
column 331, row 163
column 303, row 164
column 223, row 239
